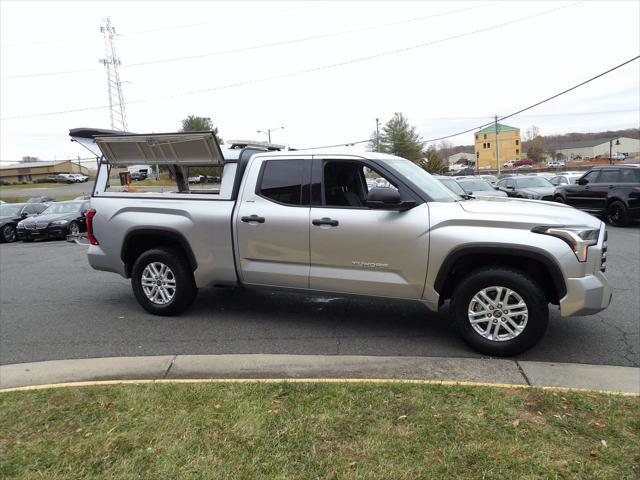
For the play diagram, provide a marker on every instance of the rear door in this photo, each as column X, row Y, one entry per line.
column 272, row 222
column 358, row 250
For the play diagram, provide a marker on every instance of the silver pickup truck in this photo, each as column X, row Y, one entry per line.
column 316, row 221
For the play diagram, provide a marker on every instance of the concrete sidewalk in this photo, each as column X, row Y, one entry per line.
column 259, row 366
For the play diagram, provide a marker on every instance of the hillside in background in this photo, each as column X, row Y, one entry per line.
column 553, row 142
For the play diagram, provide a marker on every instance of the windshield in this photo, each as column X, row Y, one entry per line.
column 7, row 210
column 532, row 182
column 424, row 181
column 475, row 185
column 64, row 208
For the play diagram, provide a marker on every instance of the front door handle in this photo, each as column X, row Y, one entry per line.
column 253, row 218
column 325, row 221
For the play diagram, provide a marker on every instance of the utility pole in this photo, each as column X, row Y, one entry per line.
column 114, row 85
column 377, row 134
column 497, row 144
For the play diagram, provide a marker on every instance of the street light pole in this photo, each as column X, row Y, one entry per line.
column 497, row 144
column 377, row 134
column 268, row 131
column 617, row 139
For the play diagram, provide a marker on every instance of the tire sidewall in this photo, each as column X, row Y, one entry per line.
column 185, row 285
column 538, row 310
column 624, row 220
column 76, row 224
column 8, row 228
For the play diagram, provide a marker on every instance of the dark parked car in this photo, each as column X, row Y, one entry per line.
column 41, row 200
column 57, row 221
column 612, row 192
column 479, row 188
column 534, row 187
column 12, row 213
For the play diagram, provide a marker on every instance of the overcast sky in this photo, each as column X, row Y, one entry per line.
column 325, row 81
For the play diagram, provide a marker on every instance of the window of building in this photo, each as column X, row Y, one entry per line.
column 517, row 142
column 477, row 137
column 282, row 181
column 517, row 151
column 485, row 136
column 488, row 145
column 484, row 145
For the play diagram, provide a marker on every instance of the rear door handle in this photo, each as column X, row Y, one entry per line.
column 325, row 221
column 253, row 218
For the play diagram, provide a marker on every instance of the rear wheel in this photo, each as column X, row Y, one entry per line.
column 8, row 233
column 617, row 214
column 500, row 311
column 559, row 199
column 163, row 282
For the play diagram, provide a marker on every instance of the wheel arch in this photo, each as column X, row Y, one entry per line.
column 530, row 260
column 141, row 239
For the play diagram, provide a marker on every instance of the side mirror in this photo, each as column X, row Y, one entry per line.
column 582, row 181
column 496, row 187
column 387, row 198
column 24, row 215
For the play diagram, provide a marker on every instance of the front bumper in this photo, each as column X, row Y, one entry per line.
column 49, row 232
column 586, row 296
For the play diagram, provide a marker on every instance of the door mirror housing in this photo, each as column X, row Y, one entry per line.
column 387, row 198
column 582, row 181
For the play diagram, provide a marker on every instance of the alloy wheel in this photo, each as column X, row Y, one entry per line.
column 498, row 313
column 158, row 283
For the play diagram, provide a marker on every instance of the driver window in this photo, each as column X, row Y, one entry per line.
column 347, row 183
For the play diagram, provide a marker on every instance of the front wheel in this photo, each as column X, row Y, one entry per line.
column 559, row 199
column 8, row 233
column 500, row 311
column 617, row 214
column 163, row 282
column 74, row 229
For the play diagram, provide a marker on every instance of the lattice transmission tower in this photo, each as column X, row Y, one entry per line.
column 114, row 85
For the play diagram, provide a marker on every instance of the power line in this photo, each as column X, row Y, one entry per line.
column 538, row 103
column 154, row 30
column 308, row 70
column 501, row 118
column 253, row 47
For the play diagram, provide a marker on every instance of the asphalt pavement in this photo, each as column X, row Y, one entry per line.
column 54, row 306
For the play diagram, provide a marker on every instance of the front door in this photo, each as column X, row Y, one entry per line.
column 577, row 194
column 272, row 223
column 355, row 249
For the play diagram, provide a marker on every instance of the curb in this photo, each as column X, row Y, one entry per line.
column 319, row 368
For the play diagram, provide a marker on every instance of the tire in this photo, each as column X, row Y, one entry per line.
column 527, row 329
column 179, row 274
column 617, row 214
column 8, row 233
column 74, row 228
column 559, row 199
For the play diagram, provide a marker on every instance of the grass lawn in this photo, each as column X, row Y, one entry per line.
column 24, row 198
column 317, row 430
column 33, row 185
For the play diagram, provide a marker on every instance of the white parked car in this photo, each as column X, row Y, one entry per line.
column 555, row 163
column 78, row 177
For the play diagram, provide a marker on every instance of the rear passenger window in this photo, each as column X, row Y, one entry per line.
column 608, row 176
column 630, row 175
column 282, row 181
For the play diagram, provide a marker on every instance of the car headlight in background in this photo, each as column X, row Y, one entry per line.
column 20, row 225
column 60, row 222
column 578, row 238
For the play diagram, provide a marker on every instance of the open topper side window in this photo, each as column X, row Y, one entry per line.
column 186, row 162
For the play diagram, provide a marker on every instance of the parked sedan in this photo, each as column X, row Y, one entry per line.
column 12, row 213
column 533, row 187
column 57, row 221
column 479, row 188
column 568, row 179
column 41, row 200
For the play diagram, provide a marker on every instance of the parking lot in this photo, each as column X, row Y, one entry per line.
column 54, row 306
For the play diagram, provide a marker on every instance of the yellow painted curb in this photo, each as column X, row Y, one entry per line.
column 306, row 380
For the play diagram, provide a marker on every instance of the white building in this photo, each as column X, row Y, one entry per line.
column 587, row 149
column 457, row 157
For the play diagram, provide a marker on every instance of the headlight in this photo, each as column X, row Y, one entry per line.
column 578, row 238
column 20, row 225
column 60, row 222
